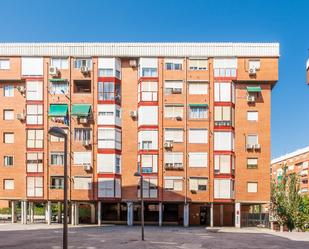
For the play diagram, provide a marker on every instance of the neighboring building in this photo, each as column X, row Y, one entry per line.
column 297, row 162
column 194, row 117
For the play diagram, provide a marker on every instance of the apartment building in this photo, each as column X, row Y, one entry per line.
column 296, row 162
column 194, row 118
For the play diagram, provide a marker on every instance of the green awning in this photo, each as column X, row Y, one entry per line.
column 253, row 89
column 58, row 80
column 81, row 110
column 202, row 105
column 58, row 110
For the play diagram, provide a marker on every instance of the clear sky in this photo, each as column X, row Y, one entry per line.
column 284, row 21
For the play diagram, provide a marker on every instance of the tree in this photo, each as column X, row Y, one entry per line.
column 288, row 206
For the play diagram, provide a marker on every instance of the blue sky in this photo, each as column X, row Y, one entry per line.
column 283, row 21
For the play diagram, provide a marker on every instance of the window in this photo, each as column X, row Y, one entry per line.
column 254, row 63
column 8, row 114
column 82, row 182
column 173, row 183
column 35, row 138
column 59, row 87
column 109, row 67
column 223, row 141
column 148, row 91
column 34, row 162
column 148, row 67
column 148, row 140
column 148, row 115
column 82, row 158
column 196, row 88
column 34, row 90
column 56, row 182
column 109, row 114
column 252, row 187
column 108, row 91
column 225, row 67
column 109, row 187
column 198, row 136
column 173, row 160
column 60, row 63
column 173, row 134
column 198, row 64
column 148, row 163
column 35, row 186
column 173, row 87
column 4, row 64
column 173, row 111
column 109, row 138
column 223, row 164
column 8, row 91
column 8, row 184
column 198, row 111
column 82, row 86
column 83, row 62
column 252, row 139
column 106, row 72
column 56, row 158
column 108, row 163
column 224, row 115
column 82, row 134
column 198, row 159
column 8, row 160
column 8, row 137
column 252, row 163
column 150, row 188
column 32, row 66
column 223, row 188
column 252, row 115
column 223, row 92
column 56, row 139
column 34, row 114
column 173, row 64
column 198, row 184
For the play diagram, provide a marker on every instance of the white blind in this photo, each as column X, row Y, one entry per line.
column 32, row 66
column 252, row 139
column 173, row 60
column 225, row 63
column 198, row 88
column 148, row 115
column 173, row 111
column 34, row 90
column 198, row 159
column 117, row 188
column 148, row 62
column 252, row 187
column 82, row 183
column 253, row 161
column 106, row 163
column 175, row 135
column 173, row 84
column 82, row 157
column 199, row 136
column 8, row 184
column 223, row 141
column 252, row 115
column 222, row 188
column 9, row 138
column 173, row 157
column 106, row 187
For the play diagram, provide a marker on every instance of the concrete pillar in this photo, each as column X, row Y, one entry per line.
column 24, row 212
column 48, row 212
column 186, row 215
column 99, row 213
column 73, row 214
column 118, row 211
column 59, row 212
column 76, row 213
column 237, row 215
column 92, row 212
column 160, row 214
column 13, row 210
column 281, row 228
column 130, row 213
column 211, row 214
column 221, row 215
column 272, row 226
column 31, row 212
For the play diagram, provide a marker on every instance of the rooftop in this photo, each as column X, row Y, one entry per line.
column 290, row 155
column 141, row 49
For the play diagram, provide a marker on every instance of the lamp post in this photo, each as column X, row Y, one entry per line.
column 59, row 132
column 142, row 201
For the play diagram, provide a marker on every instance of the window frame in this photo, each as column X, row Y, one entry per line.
column 8, row 160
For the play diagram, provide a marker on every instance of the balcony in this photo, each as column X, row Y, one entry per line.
column 173, row 166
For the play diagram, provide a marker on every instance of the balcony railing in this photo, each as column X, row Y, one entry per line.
column 173, row 166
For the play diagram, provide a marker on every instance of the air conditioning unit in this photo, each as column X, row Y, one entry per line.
column 53, row 71
column 252, row 71
column 84, row 70
column 250, row 146
column 21, row 89
column 83, row 120
column 176, row 90
column 178, row 118
column 133, row 63
column 87, row 166
column 86, row 143
column 20, row 116
column 133, row 114
column 251, row 98
column 168, row 165
column 257, row 146
column 168, row 144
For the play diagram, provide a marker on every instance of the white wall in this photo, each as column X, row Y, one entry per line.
column 32, row 66
column 148, row 115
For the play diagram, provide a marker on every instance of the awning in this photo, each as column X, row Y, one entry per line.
column 81, row 110
column 253, row 89
column 202, row 105
column 58, row 110
column 58, row 80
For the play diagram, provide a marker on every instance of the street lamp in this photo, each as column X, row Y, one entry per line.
column 142, row 201
column 59, row 132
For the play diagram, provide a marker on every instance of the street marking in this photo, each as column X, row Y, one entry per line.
column 162, row 242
